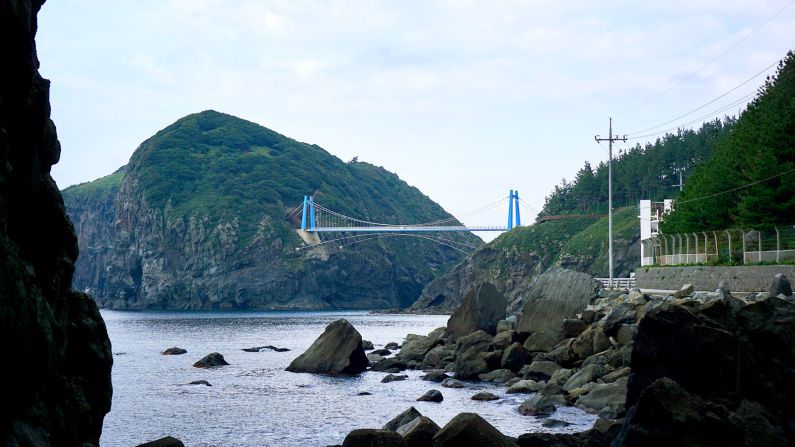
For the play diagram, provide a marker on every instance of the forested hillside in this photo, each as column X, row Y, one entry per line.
column 639, row 172
column 750, row 180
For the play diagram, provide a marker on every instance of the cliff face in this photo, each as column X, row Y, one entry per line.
column 514, row 260
column 511, row 262
column 57, row 389
column 201, row 219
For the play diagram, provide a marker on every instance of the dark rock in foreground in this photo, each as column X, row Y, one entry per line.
column 56, row 389
column 431, row 396
column 482, row 308
column 211, row 360
column 168, row 441
column 667, row 414
column 552, row 439
column 471, row 430
column 403, row 418
column 337, row 351
column 373, row 438
column 419, row 432
column 721, row 352
column 780, row 286
column 718, row 374
column 174, row 351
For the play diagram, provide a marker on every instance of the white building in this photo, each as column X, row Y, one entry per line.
column 651, row 214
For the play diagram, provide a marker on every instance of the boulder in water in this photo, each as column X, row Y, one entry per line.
column 453, row 383
column 265, row 348
column 431, row 396
column 394, row 378
column 174, row 351
column 436, row 375
column 415, row 347
column 537, row 405
column 211, row 360
column 484, row 396
column 338, row 350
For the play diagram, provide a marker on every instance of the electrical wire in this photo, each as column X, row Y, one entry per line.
column 712, row 114
column 712, row 61
column 679, row 202
column 709, row 102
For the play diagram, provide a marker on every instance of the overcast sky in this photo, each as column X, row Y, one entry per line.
column 462, row 99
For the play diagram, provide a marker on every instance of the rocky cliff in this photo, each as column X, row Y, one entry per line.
column 514, row 260
column 201, row 219
column 56, row 389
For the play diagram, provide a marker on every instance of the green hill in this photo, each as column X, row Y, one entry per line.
column 200, row 218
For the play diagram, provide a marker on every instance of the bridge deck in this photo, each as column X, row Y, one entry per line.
column 401, row 229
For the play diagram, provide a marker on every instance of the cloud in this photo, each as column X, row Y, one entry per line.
column 501, row 94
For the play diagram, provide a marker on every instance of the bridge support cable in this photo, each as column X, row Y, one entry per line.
column 355, row 239
column 438, row 240
column 317, row 218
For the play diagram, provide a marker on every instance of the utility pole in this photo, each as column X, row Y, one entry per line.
column 610, row 138
column 680, row 184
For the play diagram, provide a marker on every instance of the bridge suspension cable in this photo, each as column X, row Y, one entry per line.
column 317, row 218
column 370, row 236
column 467, row 214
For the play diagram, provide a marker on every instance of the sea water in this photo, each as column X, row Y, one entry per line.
column 254, row 401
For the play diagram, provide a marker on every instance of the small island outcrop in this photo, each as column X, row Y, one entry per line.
column 338, row 350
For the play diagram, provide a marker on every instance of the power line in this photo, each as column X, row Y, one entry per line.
column 714, row 113
column 709, row 102
column 712, row 61
column 735, row 189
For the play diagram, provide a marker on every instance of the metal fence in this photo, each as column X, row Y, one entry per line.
column 745, row 246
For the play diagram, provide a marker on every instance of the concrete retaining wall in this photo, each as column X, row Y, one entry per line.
column 752, row 278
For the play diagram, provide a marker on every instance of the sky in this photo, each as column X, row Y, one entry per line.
column 463, row 99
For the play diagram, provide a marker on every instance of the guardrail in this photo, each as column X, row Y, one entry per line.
column 618, row 283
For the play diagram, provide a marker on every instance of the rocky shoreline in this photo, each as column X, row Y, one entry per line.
column 681, row 369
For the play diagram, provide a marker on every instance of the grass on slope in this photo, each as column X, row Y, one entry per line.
column 98, row 187
column 545, row 239
column 592, row 241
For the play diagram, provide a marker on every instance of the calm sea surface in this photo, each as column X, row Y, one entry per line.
column 254, row 402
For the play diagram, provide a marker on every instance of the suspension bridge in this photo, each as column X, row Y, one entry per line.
column 317, row 219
